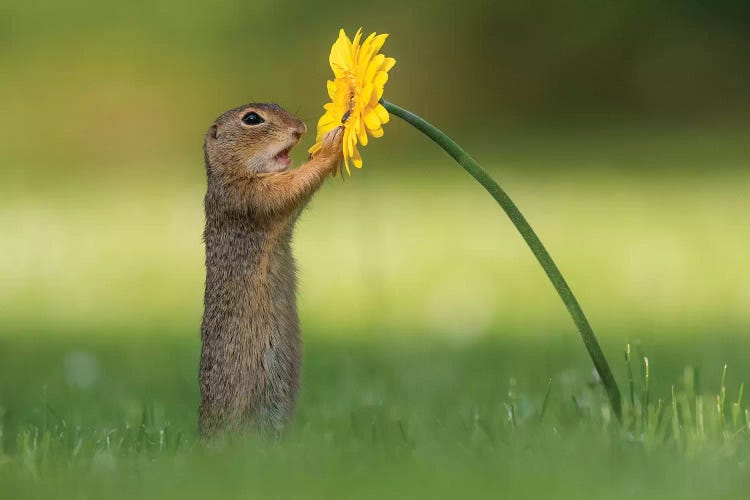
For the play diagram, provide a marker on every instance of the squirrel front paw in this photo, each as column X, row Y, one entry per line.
column 332, row 143
column 332, row 148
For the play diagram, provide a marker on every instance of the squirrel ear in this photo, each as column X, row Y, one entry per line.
column 213, row 132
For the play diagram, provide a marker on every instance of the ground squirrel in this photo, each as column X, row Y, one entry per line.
column 250, row 354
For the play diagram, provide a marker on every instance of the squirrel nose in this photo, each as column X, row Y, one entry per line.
column 300, row 130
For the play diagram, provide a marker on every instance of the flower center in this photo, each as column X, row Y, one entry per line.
column 352, row 94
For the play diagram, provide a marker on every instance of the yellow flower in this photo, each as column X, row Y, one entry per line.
column 360, row 73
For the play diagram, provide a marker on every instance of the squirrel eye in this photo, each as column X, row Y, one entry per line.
column 252, row 118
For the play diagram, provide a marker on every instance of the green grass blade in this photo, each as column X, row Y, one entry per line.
column 545, row 401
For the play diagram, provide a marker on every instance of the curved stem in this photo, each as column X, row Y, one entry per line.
column 535, row 244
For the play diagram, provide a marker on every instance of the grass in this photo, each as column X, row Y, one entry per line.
column 115, row 417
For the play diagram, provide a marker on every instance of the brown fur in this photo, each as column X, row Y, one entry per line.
column 250, row 355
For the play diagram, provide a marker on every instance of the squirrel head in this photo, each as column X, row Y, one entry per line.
column 255, row 138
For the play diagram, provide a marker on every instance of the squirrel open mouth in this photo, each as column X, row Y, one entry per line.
column 283, row 156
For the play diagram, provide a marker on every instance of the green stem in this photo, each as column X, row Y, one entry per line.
column 536, row 246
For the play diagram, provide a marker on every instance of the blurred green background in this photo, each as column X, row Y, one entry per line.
column 620, row 129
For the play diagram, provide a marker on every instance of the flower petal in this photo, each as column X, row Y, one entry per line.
column 357, row 158
column 351, row 141
column 382, row 113
column 365, row 52
column 373, row 67
column 315, row 148
column 356, row 44
column 341, row 55
column 376, row 133
column 361, row 132
column 371, row 120
column 347, row 133
column 388, row 64
column 381, row 77
column 366, row 94
column 327, row 121
column 376, row 42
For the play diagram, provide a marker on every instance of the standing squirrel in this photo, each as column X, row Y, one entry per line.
column 250, row 335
